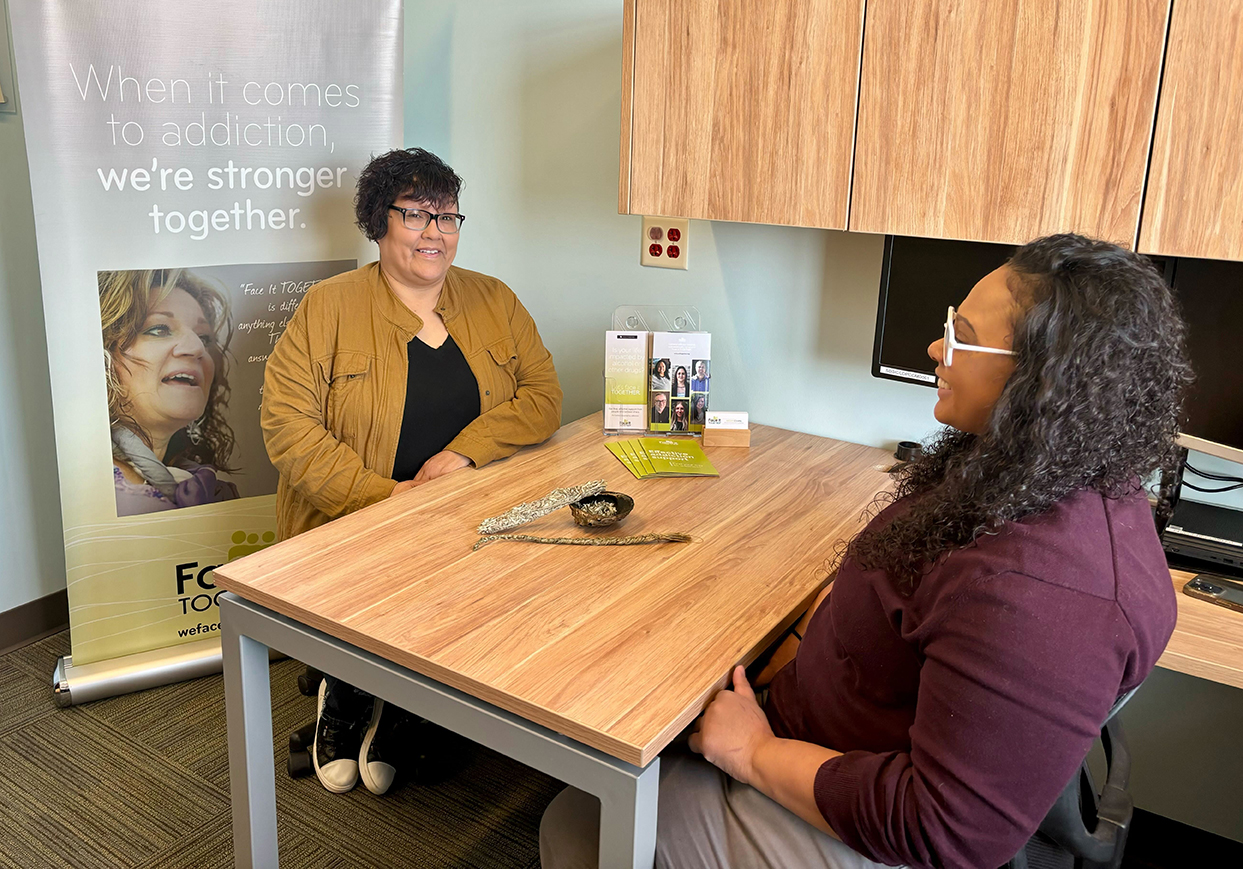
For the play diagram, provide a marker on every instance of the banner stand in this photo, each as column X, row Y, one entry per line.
column 192, row 171
column 102, row 679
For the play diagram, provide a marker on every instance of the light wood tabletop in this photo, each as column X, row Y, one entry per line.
column 617, row 647
column 1208, row 639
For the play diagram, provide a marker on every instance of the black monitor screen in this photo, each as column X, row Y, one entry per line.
column 920, row 279
column 1211, row 295
column 923, row 276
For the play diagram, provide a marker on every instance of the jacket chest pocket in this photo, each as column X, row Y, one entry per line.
column 350, row 385
column 501, row 362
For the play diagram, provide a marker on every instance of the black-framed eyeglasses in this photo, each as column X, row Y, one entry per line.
column 418, row 219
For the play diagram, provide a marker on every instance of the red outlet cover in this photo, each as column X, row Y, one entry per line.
column 674, row 250
column 656, row 232
column 674, row 235
column 654, row 250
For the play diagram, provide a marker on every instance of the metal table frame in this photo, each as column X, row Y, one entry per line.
column 627, row 793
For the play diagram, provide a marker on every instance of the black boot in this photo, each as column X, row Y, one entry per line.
column 338, row 735
column 385, row 748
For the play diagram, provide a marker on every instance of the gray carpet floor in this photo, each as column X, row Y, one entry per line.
column 142, row 781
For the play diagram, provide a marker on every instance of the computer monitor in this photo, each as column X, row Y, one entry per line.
column 1211, row 295
column 920, row 278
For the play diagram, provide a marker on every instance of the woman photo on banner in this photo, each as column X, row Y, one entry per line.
column 165, row 334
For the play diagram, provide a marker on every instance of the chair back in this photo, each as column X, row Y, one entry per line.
column 1086, row 829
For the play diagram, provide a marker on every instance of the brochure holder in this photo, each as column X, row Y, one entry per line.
column 656, row 318
column 626, row 373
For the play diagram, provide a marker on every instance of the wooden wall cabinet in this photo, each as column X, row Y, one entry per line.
column 1004, row 120
column 740, row 109
column 1194, row 204
column 984, row 120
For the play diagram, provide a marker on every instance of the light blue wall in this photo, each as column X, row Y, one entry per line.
column 32, row 555
column 523, row 100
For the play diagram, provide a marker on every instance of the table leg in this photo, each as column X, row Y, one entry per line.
column 628, row 821
column 252, row 775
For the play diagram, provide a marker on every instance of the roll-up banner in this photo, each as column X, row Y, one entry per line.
column 193, row 168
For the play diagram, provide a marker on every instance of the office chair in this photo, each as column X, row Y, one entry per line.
column 1084, row 829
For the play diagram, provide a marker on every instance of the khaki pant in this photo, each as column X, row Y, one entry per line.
column 706, row 820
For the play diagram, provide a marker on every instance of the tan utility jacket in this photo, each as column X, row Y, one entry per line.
column 334, row 388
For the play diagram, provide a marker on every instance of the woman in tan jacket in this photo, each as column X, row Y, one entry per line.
column 388, row 377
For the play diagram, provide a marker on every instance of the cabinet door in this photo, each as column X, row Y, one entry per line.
column 740, row 110
column 1005, row 120
column 1194, row 205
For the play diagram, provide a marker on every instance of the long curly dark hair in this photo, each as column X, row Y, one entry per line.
column 1094, row 403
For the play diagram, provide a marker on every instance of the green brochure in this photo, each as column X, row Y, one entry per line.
column 618, row 450
column 662, row 457
column 639, row 455
column 680, row 457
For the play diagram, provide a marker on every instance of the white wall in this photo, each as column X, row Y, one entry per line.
column 32, row 555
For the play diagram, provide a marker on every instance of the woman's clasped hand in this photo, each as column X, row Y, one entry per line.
column 732, row 729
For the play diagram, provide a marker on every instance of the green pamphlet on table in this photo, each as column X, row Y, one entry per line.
column 662, row 457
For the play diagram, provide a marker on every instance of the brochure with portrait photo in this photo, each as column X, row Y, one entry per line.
column 681, row 362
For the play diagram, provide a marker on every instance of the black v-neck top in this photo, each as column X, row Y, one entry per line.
column 442, row 398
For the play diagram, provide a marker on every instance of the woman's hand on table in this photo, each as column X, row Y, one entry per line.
column 403, row 486
column 732, row 729
column 444, row 462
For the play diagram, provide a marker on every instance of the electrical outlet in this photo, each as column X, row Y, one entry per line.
column 664, row 242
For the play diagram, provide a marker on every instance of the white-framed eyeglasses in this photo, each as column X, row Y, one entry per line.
column 952, row 343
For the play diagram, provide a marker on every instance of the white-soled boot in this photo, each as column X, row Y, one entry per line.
column 335, row 751
column 382, row 745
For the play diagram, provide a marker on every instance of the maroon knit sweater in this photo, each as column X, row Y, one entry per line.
column 964, row 709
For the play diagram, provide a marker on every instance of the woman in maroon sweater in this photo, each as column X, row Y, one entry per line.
column 982, row 625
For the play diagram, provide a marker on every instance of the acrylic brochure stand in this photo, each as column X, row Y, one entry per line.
column 626, row 365
column 656, row 318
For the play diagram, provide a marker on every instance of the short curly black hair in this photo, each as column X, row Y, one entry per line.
column 1093, row 403
column 410, row 171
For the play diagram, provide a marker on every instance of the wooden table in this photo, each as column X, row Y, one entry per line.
column 583, row 662
column 616, row 648
column 1207, row 641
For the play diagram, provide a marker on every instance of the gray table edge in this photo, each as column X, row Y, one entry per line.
column 627, row 793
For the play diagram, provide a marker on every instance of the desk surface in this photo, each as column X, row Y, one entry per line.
column 617, row 647
column 1208, row 640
